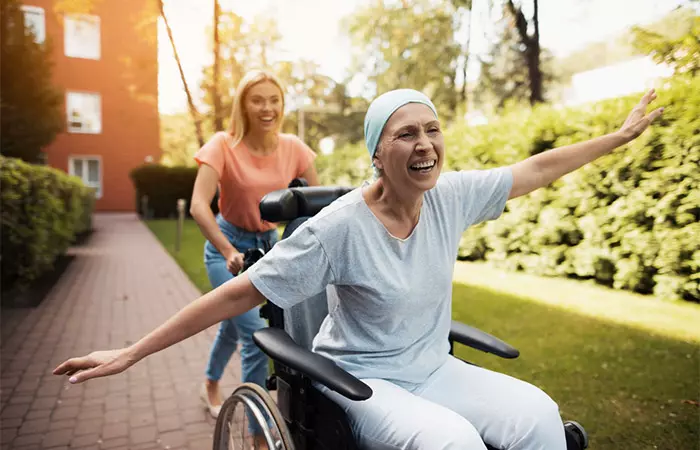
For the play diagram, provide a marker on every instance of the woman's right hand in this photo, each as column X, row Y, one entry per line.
column 234, row 262
column 96, row 364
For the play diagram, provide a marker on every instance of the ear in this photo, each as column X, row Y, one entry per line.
column 377, row 162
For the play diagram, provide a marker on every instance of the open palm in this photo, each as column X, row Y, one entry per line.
column 638, row 120
column 96, row 364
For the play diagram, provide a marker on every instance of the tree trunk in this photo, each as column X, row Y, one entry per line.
column 193, row 109
column 218, row 114
column 532, row 49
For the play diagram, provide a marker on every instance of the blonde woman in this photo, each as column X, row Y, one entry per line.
column 245, row 162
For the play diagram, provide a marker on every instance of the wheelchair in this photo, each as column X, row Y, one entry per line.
column 302, row 418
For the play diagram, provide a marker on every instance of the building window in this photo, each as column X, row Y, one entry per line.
column 88, row 169
column 34, row 21
column 84, row 112
column 82, row 36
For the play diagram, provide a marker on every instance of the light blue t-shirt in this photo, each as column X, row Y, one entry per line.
column 389, row 299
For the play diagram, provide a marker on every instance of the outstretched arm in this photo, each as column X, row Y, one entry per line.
column 228, row 300
column 542, row 169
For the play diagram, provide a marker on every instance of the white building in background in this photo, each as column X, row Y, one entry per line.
column 615, row 80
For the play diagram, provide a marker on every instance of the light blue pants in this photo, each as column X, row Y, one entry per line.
column 254, row 363
column 460, row 406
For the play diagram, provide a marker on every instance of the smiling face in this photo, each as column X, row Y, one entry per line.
column 263, row 107
column 411, row 149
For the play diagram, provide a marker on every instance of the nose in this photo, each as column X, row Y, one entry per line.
column 423, row 143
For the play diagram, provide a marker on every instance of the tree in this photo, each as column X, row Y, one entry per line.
column 190, row 102
column 30, row 106
column 399, row 45
column 242, row 46
column 516, row 67
column 682, row 53
column 218, row 118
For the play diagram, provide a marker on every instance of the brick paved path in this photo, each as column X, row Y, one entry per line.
column 121, row 285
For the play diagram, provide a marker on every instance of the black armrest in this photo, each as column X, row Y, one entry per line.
column 288, row 204
column 278, row 345
column 480, row 340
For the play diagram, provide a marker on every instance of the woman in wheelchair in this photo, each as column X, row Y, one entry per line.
column 384, row 254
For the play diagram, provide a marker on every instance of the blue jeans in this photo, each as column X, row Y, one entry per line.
column 254, row 363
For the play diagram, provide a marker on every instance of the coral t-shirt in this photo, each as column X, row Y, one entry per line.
column 245, row 178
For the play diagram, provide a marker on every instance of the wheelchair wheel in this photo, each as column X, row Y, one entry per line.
column 250, row 405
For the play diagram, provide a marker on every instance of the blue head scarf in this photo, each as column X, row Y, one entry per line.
column 383, row 107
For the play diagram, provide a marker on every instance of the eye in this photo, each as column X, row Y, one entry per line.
column 405, row 135
column 434, row 130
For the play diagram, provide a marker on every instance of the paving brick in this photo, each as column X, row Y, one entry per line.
column 8, row 434
column 120, row 286
column 169, row 423
column 118, row 443
column 35, row 426
column 14, row 411
column 176, row 438
column 88, row 426
column 114, row 430
column 142, row 418
column 11, row 423
column 58, row 437
column 143, row 434
column 65, row 412
column 38, row 414
column 63, row 424
column 28, row 440
column 43, row 403
column 85, row 440
column 20, row 399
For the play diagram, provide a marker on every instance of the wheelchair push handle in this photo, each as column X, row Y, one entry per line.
column 250, row 257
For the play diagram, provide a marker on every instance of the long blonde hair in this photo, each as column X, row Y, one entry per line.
column 239, row 121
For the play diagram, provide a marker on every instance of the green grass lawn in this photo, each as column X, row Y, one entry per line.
column 627, row 367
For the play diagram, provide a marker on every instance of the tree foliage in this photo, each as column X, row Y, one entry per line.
column 412, row 45
column 30, row 106
column 681, row 52
column 629, row 220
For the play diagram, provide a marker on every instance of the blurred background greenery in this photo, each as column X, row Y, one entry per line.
column 628, row 221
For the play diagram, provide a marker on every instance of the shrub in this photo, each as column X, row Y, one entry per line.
column 164, row 185
column 43, row 211
column 629, row 220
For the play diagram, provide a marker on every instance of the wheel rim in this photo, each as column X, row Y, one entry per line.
column 234, row 430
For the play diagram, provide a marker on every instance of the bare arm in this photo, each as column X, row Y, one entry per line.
column 200, row 208
column 542, row 169
column 228, row 300
column 310, row 175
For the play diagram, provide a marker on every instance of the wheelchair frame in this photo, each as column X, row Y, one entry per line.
column 315, row 422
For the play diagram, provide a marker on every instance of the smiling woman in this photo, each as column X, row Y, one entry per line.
column 249, row 160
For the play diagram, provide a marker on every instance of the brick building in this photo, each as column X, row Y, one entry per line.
column 106, row 62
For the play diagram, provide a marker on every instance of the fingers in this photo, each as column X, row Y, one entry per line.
column 647, row 98
column 85, row 375
column 655, row 114
column 73, row 365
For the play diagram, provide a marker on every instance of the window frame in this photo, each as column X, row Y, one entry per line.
column 68, row 43
column 99, row 185
column 75, row 130
column 31, row 9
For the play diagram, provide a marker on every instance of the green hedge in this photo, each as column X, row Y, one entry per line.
column 43, row 212
column 163, row 186
column 630, row 220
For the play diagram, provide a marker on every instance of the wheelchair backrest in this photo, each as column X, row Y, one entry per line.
column 295, row 206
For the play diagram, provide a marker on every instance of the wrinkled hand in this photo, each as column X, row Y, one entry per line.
column 234, row 262
column 639, row 120
column 96, row 364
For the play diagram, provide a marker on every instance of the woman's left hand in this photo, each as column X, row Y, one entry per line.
column 639, row 120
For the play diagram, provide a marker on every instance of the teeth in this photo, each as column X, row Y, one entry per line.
column 423, row 165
